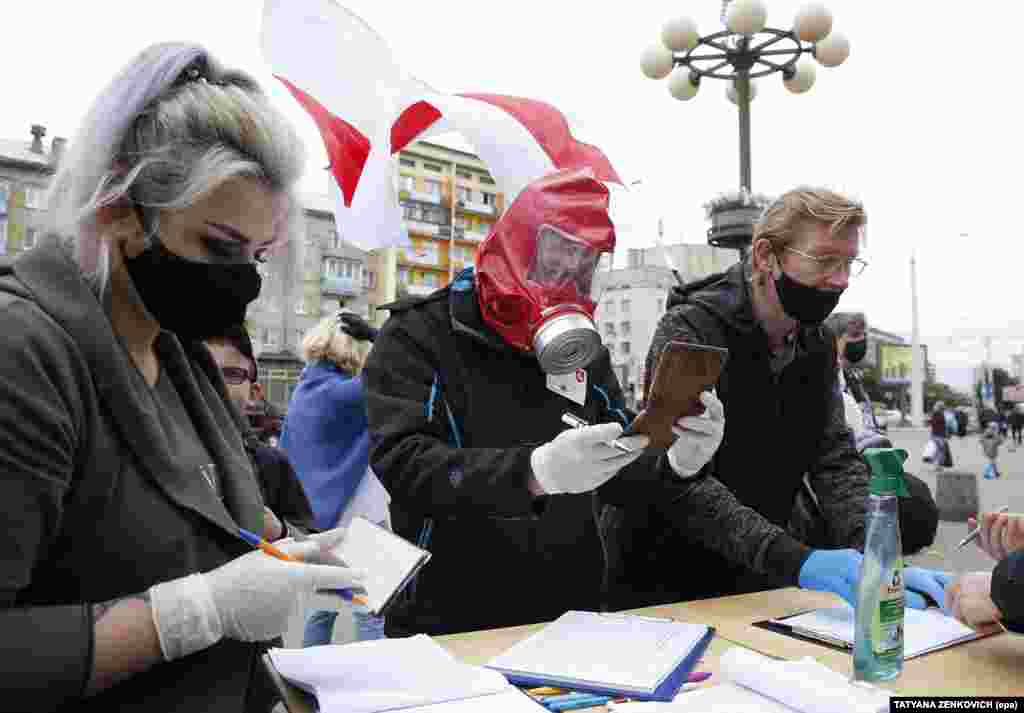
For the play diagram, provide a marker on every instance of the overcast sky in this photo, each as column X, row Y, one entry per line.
column 920, row 123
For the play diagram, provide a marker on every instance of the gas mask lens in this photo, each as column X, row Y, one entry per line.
column 563, row 264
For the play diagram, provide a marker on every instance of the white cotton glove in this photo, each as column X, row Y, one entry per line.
column 698, row 437
column 250, row 598
column 581, row 459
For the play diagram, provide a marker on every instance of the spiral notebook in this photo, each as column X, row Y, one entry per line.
column 614, row 654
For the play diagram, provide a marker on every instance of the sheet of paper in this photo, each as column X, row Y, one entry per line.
column 512, row 701
column 386, row 558
column 618, row 651
column 385, row 674
column 803, row 685
column 923, row 630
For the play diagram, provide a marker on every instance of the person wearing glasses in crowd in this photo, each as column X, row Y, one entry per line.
column 784, row 418
column 125, row 584
column 285, row 504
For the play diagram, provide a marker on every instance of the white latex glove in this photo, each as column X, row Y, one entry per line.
column 698, row 437
column 581, row 459
column 250, row 598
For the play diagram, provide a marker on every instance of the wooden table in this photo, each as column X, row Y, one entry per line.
column 991, row 666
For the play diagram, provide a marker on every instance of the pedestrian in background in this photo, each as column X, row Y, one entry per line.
column 325, row 436
column 990, row 442
column 937, row 449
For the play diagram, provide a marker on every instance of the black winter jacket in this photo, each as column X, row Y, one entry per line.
column 778, row 426
column 454, row 414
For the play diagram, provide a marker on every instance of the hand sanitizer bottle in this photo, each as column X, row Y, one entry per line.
column 878, row 630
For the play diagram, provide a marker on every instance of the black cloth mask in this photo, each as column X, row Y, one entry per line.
column 807, row 305
column 195, row 300
column 855, row 351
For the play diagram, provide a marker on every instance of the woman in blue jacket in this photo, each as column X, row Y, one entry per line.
column 325, row 436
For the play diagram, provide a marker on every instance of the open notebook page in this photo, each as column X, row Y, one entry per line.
column 923, row 630
column 385, row 674
column 618, row 651
column 386, row 558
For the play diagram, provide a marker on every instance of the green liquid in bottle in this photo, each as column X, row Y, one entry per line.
column 878, row 633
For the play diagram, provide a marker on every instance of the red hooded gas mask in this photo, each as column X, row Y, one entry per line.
column 536, row 269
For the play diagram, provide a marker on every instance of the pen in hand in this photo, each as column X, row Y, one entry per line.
column 256, row 541
column 973, row 534
column 576, row 422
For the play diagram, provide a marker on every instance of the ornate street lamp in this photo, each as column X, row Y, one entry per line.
column 745, row 50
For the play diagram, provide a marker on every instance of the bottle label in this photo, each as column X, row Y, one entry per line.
column 887, row 626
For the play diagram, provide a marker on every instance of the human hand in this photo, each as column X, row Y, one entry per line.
column 836, row 571
column 969, row 600
column 1000, row 534
column 582, row 459
column 249, row 598
column 918, row 581
column 698, row 437
column 356, row 327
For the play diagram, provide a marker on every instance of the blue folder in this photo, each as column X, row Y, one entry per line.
column 665, row 692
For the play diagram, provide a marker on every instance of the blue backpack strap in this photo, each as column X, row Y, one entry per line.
column 616, row 410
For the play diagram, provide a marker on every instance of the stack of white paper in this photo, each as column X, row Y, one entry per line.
column 412, row 674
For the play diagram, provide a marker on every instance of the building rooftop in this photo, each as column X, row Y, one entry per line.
column 12, row 151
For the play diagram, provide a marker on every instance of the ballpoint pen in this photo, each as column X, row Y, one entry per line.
column 576, row 422
column 256, row 541
column 973, row 534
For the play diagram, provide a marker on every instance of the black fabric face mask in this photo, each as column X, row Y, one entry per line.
column 195, row 300
column 807, row 305
column 855, row 351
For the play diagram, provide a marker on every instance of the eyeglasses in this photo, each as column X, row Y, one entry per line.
column 235, row 375
column 832, row 264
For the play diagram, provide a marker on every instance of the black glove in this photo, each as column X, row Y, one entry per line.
column 356, row 327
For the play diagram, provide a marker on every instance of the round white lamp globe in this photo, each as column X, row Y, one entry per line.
column 733, row 93
column 679, row 84
column 746, row 17
column 680, row 34
column 803, row 79
column 833, row 50
column 813, row 22
column 656, row 61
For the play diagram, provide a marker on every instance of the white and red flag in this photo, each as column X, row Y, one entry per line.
column 367, row 108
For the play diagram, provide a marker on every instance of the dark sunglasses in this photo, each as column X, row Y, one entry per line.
column 235, row 375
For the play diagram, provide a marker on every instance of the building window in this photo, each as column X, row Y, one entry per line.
column 433, row 167
column 3, row 235
column 488, row 198
column 624, row 347
column 625, row 329
column 412, row 211
column 625, row 306
column 371, row 280
column 433, row 187
column 433, row 214
column 487, row 179
column 464, row 174
column 30, row 238
column 35, row 197
column 464, row 194
column 609, row 329
column 407, row 162
column 407, row 183
column 609, row 308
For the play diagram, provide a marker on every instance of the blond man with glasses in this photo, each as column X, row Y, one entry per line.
column 784, row 419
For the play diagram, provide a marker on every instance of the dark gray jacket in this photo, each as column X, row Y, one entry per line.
column 93, row 504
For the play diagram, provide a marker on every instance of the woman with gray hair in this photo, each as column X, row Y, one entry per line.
column 125, row 583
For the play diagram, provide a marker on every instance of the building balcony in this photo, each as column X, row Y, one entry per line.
column 420, row 196
column 422, row 228
column 419, row 290
column 343, row 286
column 475, row 207
column 473, row 235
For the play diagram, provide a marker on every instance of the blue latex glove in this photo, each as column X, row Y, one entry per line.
column 834, row 571
column 918, row 581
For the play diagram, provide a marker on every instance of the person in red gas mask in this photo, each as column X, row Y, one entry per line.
column 466, row 393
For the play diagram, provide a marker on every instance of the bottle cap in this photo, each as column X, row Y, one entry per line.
column 886, row 470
